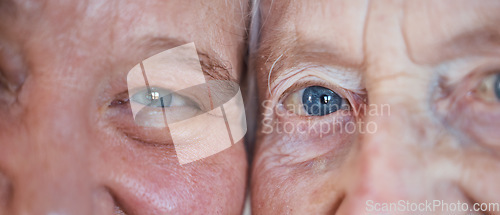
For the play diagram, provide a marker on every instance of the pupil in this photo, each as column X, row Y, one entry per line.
column 326, row 99
column 319, row 101
column 153, row 95
column 158, row 97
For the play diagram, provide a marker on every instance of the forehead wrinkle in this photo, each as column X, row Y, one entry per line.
column 271, row 58
column 277, row 39
column 276, row 9
column 294, row 55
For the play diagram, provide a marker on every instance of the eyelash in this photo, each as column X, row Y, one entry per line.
column 124, row 98
column 161, row 93
column 351, row 98
column 468, row 85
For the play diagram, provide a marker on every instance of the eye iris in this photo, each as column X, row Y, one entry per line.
column 497, row 87
column 319, row 101
column 157, row 101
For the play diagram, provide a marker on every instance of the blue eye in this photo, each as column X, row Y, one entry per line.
column 319, row 101
column 153, row 97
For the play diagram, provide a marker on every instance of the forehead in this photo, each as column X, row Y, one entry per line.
column 132, row 30
column 341, row 26
column 184, row 16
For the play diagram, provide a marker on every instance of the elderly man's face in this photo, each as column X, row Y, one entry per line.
column 374, row 102
column 69, row 143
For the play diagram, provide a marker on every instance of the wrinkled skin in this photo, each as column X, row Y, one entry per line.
column 67, row 137
column 438, row 140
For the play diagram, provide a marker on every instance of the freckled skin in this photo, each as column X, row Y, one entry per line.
column 63, row 150
column 436, row 143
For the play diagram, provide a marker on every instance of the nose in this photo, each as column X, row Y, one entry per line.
column 398, row 165
column 47, row 169
column 397, row 162
column 387, row 168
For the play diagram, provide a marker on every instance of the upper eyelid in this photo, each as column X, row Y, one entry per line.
column 141, row 88
column 302, row 84
column 175, row 93
column 282, row 80
column 171, row 92
column 465, row 71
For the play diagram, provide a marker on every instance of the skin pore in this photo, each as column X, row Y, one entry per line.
column 68, row 137
column 420, row 125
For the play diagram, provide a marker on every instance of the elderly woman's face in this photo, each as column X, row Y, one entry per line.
column 69, row 142
column 375, row 102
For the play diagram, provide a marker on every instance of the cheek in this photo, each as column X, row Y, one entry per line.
column 299, row 177
column 290, row 142
column 150, row 180
column 284, row 191
column 479, row 122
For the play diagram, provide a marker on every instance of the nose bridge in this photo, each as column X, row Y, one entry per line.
column 397, row 119
column 389, row 164
column 54, row 177
column 387, row 156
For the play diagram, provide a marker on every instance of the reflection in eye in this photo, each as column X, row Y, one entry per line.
column 158, row 97
column 489, row 88
column 315, row 101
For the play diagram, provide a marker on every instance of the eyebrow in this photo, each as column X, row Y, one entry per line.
column 215, row 68
column 294, row 53
column 212, row 66
column 480, row 40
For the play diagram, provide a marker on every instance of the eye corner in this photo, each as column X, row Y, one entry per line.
column 119, row 100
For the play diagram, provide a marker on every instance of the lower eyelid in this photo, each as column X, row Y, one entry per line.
column 310, row 127
column 180, row 101
column 122, row 119
column 282, row 112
